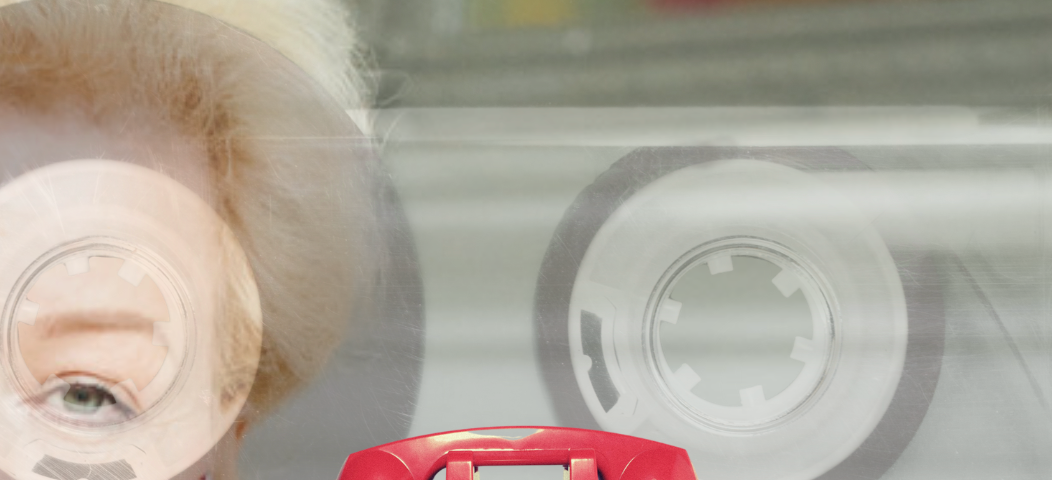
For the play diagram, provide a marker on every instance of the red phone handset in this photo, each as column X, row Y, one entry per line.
column 585, row 453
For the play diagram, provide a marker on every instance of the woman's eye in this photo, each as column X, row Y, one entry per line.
column 86, row 401
column 87, row 398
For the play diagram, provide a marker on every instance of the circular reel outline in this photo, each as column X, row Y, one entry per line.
column 155, row 267
column 823, row 337
column 142, row 441
column 597, row 202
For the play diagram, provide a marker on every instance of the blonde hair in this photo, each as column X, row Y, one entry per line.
column 318, row 35
column 292, row 174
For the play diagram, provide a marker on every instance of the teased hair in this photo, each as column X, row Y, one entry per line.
column 317, row 35
column 292, row 174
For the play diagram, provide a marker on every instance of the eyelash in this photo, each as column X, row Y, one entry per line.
column 114, row 409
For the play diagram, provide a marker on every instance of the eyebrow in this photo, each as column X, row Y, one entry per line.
column 70, row 323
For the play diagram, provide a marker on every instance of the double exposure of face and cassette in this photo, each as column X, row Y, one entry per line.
column 182, row 227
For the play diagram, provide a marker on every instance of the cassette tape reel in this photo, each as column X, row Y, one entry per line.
column 112, row 241
column 735, row 304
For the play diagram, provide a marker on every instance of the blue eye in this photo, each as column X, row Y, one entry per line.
column 87, row 398
column 87, row 401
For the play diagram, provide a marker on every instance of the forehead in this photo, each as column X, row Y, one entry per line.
column 30, row 139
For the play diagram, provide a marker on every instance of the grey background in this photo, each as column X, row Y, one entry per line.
column 878, row 52
column 484, row 203
column 485, row 189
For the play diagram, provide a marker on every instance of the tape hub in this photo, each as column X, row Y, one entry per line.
column 741, row 334
column 90, row 285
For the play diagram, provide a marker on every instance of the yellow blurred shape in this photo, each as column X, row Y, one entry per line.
column 510, row 14
column 538, row 13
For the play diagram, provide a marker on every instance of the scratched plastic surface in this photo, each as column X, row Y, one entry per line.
column 776, row 293
column 943, row 215
column 914, row 240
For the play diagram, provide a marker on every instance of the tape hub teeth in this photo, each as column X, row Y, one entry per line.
column 95, row 316
column 741, row 333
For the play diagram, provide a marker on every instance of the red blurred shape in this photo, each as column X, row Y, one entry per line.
column 586, row 453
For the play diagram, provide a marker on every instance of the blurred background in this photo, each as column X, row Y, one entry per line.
column 475, row 53
column 495, row 114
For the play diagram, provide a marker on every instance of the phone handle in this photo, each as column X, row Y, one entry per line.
column 586, row 454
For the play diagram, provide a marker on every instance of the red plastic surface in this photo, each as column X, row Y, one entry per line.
column 585, row 453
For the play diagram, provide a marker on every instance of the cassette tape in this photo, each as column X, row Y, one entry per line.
column 861, row 298
column 755, row 293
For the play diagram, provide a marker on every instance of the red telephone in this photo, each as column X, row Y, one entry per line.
column 585, row 454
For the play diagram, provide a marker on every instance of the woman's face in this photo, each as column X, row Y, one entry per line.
column 95, row 343
column 92, row 342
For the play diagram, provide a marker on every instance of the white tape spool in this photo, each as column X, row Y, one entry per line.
column 865, row 374
column 67, row 213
